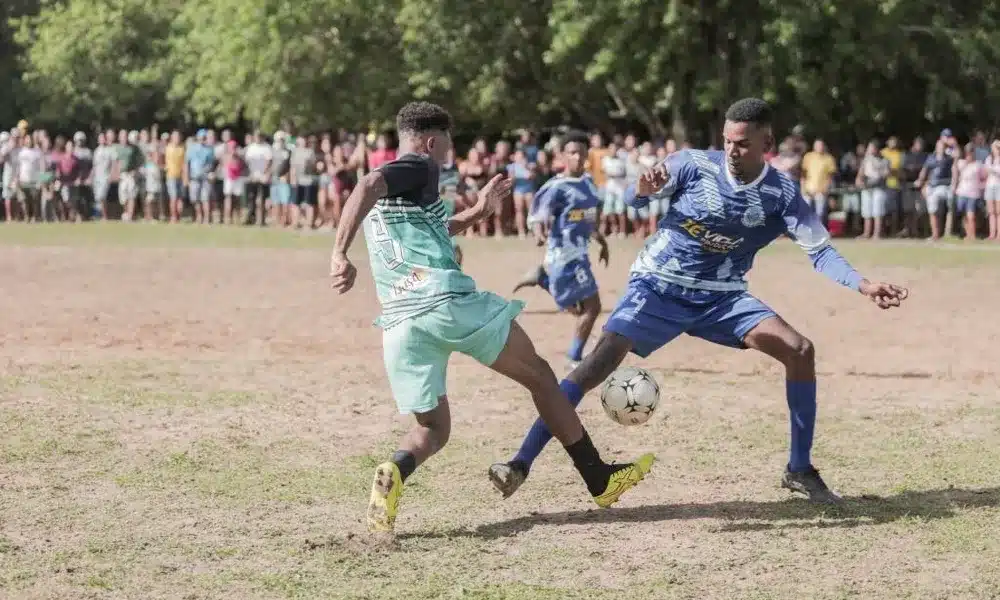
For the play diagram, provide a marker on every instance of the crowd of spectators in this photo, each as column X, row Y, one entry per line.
column 301, row 181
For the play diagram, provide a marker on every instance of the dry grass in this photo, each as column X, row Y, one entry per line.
column 189, row 413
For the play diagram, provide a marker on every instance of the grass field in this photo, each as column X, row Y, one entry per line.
column 189, row 413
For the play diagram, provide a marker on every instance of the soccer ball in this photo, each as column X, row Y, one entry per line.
column 630, row 396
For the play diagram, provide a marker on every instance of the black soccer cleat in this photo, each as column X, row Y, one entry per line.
column 507, row 477
column 531, row 279
column 810, row 484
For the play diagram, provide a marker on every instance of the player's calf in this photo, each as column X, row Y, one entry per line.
column 778, row 339
column 589, row 311
column 428, row 435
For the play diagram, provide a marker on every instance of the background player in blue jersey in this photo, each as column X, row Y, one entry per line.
column 690, row 278
column 569, row 204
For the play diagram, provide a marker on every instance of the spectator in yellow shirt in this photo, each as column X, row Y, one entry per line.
column 894, row 197
column 818, row 169
column 174, row 167
column 595, row 158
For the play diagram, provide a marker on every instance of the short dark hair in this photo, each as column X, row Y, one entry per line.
column 422, row 117
column 750, row 110
column 575, row 136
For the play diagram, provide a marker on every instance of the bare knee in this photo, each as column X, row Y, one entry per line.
column 801, row 354
column 539, row 376
column 780, row 341
column 592, row 307
column 521, row 362
column 610, row 351
column 436, row 425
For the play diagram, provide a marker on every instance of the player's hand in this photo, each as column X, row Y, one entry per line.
column 342, row 273
column 494, row 194
column 605, row 256
column 652, row 181
column 884, row 295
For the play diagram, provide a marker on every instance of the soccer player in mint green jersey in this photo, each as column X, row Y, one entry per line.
column 431, row 309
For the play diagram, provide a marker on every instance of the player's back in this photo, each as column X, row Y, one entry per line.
column 572, row 205
column 715, row 225
column 409, row 248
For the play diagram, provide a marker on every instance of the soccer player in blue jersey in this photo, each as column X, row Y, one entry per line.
column 725, row 206
column 569, row 205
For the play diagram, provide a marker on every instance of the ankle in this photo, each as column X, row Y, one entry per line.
column 520, row 466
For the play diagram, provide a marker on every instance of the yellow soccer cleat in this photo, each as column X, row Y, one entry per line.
column 625, row 479
column 387, row 488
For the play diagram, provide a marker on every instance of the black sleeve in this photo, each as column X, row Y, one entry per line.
column 408, row 173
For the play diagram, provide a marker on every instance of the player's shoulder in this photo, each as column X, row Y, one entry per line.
column 682, row 156
column 412, row 158
column 711, row 160
column 778, row 184
column 563, row 182
column 552, row 184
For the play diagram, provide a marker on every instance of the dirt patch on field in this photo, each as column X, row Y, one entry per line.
column 189, row 422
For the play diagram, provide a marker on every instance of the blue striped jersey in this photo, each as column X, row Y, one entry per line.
column 715, row 225
column 570, row 205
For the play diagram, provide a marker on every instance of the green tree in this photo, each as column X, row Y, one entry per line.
column 97, row 60
column 313, row 63
column 15, row 98
column 484, row 60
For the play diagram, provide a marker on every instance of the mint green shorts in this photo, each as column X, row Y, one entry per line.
column 416, row 351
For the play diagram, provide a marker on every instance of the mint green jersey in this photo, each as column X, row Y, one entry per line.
column 409, row 249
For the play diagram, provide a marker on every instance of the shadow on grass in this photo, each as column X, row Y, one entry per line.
column 758, row 516
column 555, row 311
column 851, row 373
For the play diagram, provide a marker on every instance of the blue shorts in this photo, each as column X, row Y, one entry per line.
column 966, row 204
column 614, row 201
column 650, row 318
column 175, row 188
column 281, row 193
column 524, row 186
column 200, row 191
column 573, row 284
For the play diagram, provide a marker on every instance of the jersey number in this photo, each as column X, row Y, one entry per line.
column 388, row 248
column 581, row 276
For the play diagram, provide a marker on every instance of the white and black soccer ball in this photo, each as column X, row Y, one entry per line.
column 630, row 396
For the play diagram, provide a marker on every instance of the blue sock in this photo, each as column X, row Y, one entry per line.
column 539, row 434
column 576, row 350
column 802, row 414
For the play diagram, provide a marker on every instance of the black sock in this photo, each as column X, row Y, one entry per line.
column 406, row 463
column 587, row 461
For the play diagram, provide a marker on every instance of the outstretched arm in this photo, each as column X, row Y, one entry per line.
column 804, row 226
column 490, row 200
column 660, row 182
column 605, row 256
